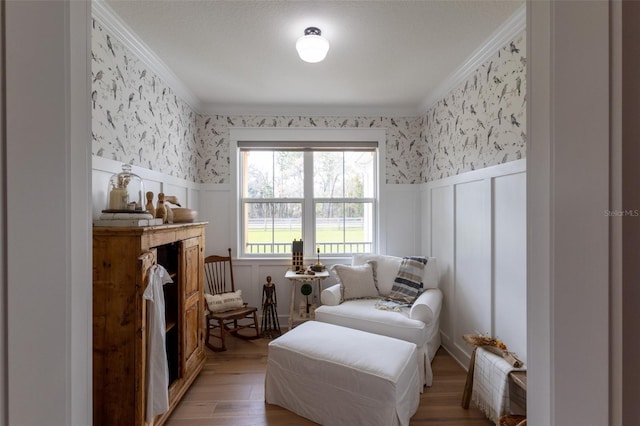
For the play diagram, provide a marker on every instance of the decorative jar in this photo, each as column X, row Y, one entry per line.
column 125, row 192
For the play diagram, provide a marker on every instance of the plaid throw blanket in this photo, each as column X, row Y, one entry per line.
column 408, row 283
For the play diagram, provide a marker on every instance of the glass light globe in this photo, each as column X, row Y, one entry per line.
column 312, row 47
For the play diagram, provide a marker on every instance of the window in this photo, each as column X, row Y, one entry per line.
column 324, row 195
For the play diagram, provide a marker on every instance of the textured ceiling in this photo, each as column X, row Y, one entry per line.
column 385, row 56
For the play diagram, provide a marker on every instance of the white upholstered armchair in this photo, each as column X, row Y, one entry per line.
column 355, row 307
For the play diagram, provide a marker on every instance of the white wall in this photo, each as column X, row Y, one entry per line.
column 47, row 214
column 475, row 224
column 400, row 224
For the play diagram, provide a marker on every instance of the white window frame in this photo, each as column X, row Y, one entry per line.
column 305, row 135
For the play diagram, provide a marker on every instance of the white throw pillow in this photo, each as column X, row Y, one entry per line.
column 386, row 269
column 224, row 301
column 357, row 282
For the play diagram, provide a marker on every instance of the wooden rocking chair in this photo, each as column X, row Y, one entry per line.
column 219, row 279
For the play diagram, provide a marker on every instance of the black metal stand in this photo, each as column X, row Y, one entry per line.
column 270, row 322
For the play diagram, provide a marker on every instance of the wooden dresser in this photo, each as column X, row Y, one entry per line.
column 121, row 259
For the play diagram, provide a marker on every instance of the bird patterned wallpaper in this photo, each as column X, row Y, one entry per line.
column 403, row 164
column 482, row 122
column 138, row 119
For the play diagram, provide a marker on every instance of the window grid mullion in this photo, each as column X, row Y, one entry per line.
column 273, row 222
column 344, row 209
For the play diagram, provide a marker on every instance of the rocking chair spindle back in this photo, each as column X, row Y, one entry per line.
column 218, row 272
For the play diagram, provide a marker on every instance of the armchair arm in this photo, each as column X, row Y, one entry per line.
column 426, row 307
column 331, row 295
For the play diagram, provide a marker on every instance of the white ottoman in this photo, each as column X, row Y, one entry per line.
column 335, row 375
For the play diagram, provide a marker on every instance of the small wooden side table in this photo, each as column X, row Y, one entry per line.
column 520, row 379
column 468, row 385
column 296, row 279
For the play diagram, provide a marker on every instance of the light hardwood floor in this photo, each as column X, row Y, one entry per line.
column 230, row 392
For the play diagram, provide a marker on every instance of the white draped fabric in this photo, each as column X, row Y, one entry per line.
column 340, row 376
column 491, row 385
column 157, row 366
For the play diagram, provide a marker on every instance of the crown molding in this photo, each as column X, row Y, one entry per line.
column 310, row 110
column 119, row 29
column 506, row 32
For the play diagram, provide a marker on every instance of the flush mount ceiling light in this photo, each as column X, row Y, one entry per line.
column 312, row 47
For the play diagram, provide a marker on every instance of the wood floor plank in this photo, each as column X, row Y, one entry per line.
column 230, row 392
column 194, row 410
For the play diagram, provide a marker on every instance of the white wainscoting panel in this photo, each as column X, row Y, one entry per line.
column 510, row 261
column 440, row 210
column 215, row 207
column 472, row 260
column 180, row 191
column 243, row 279
column 155, row 187
column 475, row 224
column 193, row 198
